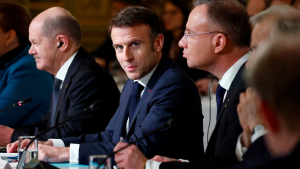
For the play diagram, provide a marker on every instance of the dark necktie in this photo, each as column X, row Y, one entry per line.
column 134, row 99
column 219, row 95
column 55, row 94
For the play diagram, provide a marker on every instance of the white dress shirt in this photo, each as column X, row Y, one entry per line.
column 74, row 148
column 225, row 82
column 240, row 150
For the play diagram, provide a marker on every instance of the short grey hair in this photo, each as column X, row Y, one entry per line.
column 66, row 25
column 287, row 25
column 273, row 11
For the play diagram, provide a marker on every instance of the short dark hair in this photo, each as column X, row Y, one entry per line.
column 231, row 17
column 66, row 25
column 14, row 16
column 136, row 16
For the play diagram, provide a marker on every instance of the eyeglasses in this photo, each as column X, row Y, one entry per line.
column 187, row 35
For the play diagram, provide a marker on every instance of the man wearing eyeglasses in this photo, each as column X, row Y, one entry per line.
column 217, row 40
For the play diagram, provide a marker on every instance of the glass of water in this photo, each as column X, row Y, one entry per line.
column 32, row 152
column 95, row 160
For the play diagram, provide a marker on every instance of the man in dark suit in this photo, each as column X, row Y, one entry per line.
column 276, row 67
column 163, row 89
column 79, row 81
column 217, row 40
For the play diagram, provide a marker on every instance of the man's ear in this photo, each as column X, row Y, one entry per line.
column 158, row 43
column 271, row 118
column 219, row 42
column 62, row 39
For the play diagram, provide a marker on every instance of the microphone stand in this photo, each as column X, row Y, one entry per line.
column 93, row 106
column 169, row 123
column 18, row 104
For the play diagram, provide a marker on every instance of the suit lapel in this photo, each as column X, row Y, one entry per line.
column 71, row 71
column 161, row 68
column 236, row 81
column 120, row 129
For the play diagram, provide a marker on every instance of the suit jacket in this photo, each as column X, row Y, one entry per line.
column 20, row 79
column 220, row 151
column 85, row 82
column 169, row 92
column 289, row 161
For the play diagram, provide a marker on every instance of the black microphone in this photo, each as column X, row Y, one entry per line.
column 93, row 106
column 171, row 122
column 19, row 103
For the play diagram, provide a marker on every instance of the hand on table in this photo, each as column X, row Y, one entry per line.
column 5, row 135
column 53, row 154
column 159, row 158
column 13, row 147
column 129, row 158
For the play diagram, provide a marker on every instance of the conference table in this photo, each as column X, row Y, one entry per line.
column 209, row 110
column 58, row 165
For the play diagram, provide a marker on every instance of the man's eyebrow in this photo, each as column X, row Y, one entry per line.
column 130, row 42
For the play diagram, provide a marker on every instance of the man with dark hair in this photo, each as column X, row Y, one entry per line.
column 156, row 91
column 79, row 81
column 217, row 39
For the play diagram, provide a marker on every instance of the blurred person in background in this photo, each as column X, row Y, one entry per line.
column 275, row 72
column 283, row 2
column 19, row 77
column 175, row 16
column 255, row 6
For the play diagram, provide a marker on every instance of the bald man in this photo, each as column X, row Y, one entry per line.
column 79, row 81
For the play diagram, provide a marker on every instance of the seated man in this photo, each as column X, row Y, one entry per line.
column 163, row 89
column 79, row 81
column 277, row 68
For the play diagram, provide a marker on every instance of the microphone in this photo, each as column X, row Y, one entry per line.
column 19, row 103
column 93, row 106
column 171, row 122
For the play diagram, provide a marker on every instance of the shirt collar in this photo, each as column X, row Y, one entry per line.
column 144, row 81
column 62, row 72
column 229, row 75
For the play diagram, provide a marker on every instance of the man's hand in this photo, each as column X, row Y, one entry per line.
column 5, row 135
column 202, row 85
column 53, row 154
column 249, row 116
column 129, row 158
column 13, row 147
column 163, row 159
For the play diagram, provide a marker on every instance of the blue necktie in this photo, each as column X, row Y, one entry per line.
column 134, row 99
column 219, row 95
column 55, row 94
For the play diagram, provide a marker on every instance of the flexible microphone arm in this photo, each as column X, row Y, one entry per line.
column 93, row 106
column 19, row 103
column 171, row 122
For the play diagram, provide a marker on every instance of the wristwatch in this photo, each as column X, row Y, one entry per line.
column 257, row 128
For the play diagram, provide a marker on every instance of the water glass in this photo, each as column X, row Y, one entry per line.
column 95, row 160
column 32, row 152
